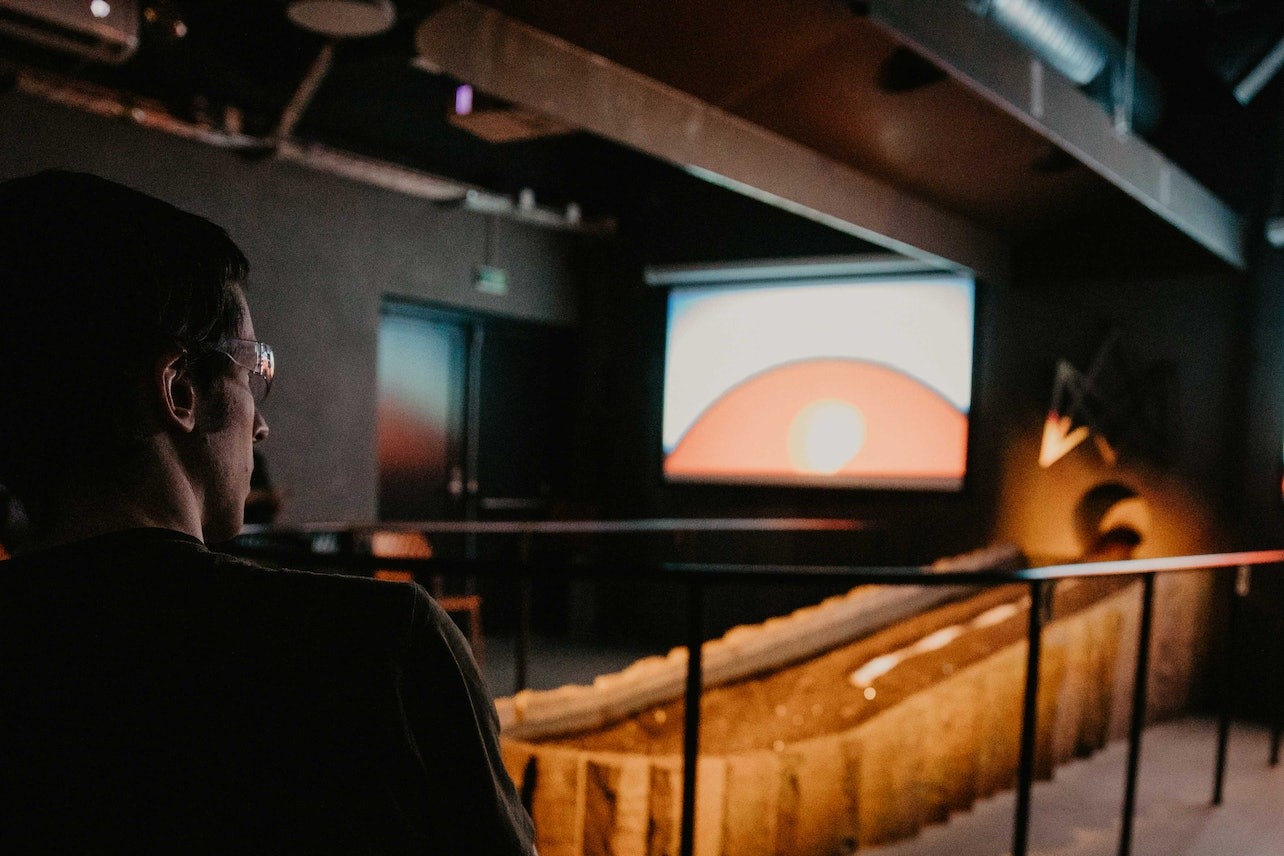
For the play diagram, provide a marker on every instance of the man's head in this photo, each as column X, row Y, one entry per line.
column 115, row 311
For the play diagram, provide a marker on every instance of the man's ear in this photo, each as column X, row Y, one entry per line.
column 176, row 392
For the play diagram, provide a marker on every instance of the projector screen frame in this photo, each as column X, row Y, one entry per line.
column 787, row 273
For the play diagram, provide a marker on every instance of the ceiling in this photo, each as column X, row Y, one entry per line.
column 821, row 73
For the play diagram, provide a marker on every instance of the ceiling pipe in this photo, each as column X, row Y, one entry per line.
column 1249, row 52
column 1261, row 74
column 110, row 104
column 334, row 20
column 303, row 95
column 1070, row 40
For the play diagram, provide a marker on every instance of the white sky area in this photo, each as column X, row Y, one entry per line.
column 720, row 336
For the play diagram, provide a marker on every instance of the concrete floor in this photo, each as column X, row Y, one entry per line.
column 553, row 662
column 1077, row 814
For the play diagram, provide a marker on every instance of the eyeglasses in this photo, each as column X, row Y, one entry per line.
column 256, row 358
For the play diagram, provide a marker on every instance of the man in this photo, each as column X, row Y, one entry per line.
column 156, row 696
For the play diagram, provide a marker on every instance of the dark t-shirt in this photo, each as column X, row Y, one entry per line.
column 157, row 696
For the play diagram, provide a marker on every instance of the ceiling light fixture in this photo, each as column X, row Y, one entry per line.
column 343, row 19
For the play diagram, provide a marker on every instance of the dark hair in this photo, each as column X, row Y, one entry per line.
column 96, row 281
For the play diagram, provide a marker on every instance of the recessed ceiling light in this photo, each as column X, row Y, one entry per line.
column 343, row 19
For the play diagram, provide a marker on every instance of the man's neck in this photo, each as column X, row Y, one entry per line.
column 76, row 521
column 152, row 497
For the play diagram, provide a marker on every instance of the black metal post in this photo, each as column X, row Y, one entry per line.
column 1243, row 579
column 346, row 545
column 691, row 713
column 523, row 652
column 1277, row 718
column 1138, row 721
column 1040, row 600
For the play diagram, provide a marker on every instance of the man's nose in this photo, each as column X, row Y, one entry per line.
column 260, row 427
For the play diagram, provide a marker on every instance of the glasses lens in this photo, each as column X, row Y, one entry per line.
column 267, row 362
column 258, row 387
column 259, row 362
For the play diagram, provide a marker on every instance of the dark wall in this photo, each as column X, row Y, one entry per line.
column 1169, row 386
column 1261, row 509
column 323, row 251
column 1262, row 415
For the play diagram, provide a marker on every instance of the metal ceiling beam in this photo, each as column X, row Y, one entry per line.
column 1000, row 71
column 519, row 63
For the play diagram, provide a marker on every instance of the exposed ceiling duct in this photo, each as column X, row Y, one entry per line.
column 995, row 68
column 1070, row 40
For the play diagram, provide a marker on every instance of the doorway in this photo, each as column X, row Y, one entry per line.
column 474, row 415
column 421, row 416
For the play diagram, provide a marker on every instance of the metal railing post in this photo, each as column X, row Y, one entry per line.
column 523, row 652
column 346, row 544
column 1040, row 609
column 1138, row 718
column 1243, row 582
column 691, row 713
column 1277, row 711
column 1277, row 723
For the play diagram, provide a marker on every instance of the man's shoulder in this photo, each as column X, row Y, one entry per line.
column 138, row 571
column 344, row 590
column 311, row 588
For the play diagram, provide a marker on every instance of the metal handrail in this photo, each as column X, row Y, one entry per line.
column 1040, row 580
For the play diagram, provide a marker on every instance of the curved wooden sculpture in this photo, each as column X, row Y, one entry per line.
column 850, row 723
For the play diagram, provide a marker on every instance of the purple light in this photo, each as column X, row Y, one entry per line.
column 463, row 100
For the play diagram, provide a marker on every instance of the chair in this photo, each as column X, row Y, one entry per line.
column 415, row 545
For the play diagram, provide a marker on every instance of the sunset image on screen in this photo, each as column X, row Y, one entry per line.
column 862, row 384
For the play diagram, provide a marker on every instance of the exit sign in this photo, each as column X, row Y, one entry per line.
column 490, row 280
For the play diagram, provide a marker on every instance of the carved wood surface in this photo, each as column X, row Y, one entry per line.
column 741, row 653
column 941, row 733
